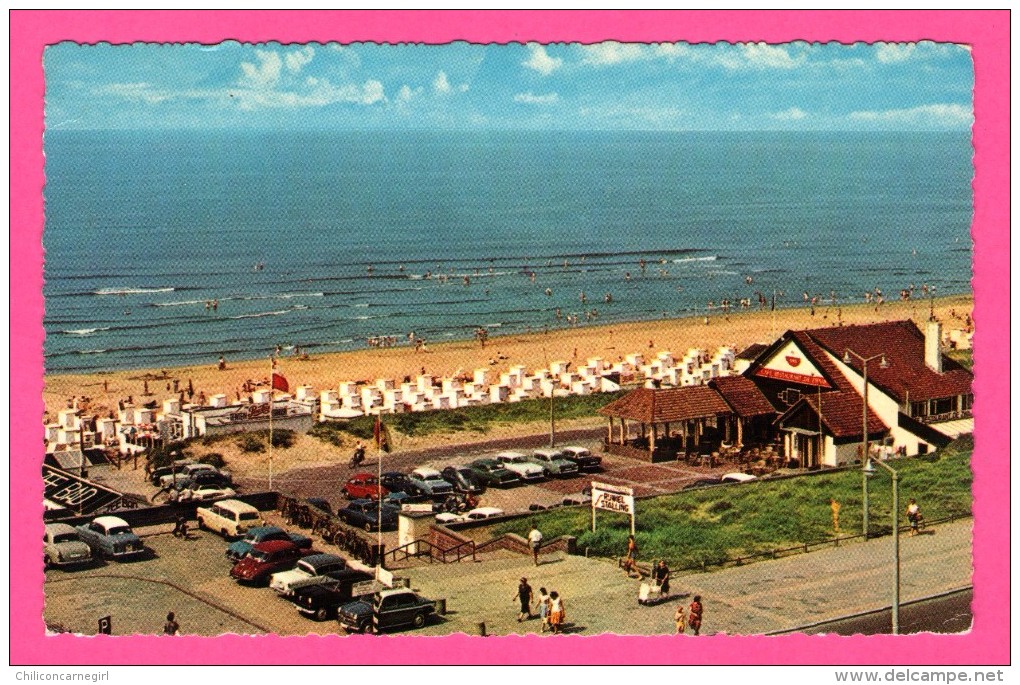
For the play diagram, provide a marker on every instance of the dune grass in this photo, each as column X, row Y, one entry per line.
column 715, row 524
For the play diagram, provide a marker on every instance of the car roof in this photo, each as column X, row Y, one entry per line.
column 273, row 545
column 393, row 474
column 361, row 476
column 236, row 506
column 322, row 559
column 486, row 510
column 262, row 530
column 426, row 471
column 110, row 521
column 510, row 454
column 737, row 476
column 488, row 462
column 574, row 448
column 55, row 528
column 549, row 453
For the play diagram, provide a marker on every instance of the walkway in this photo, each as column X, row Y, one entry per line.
column 759, row 598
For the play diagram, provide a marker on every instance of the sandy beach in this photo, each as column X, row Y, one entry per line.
column 740, row 328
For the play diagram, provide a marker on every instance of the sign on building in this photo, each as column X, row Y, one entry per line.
column 612, row 498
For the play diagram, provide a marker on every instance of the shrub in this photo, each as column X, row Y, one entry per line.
column 250, row 443
column 283, row 438
column 213, row 459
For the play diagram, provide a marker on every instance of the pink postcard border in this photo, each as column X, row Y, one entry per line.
column 987, row 32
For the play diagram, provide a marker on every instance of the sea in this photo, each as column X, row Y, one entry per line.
column 172, row 248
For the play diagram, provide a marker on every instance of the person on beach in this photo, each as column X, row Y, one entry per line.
column 524, row 594
column 222, row 365
column 914, row 516
column 543, row 607
column 696, row 610
column 680, row 619
column 630, row 561
column 557, row 612
column 171, row 627
column 661, row 576
column 835, row 514
column 535, row 541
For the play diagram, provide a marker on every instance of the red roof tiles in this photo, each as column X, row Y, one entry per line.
column 743, row 396
column 668, row 405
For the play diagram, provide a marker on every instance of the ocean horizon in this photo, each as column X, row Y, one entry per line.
column 324, row 240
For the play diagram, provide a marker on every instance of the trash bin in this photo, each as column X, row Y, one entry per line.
column 481, row 629
column 441, row 606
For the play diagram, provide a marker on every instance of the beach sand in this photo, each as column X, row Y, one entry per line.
column 533, row 350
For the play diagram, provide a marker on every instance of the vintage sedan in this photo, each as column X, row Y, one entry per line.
column 240, row 548
column 208, row 492
column 320, row 601
column 525, row 469
column 111, row 537
column 553, row 463
column 492, row 473
column 396, row 608
column 63, row 547
column 265, row 559
column 394, row 481
column 430, row 481
column 582, row 456
column 363, row 486
column 313, row 569
column 463, row 480
column 364, row 513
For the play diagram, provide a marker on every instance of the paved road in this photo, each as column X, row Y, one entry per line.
column 950, row 613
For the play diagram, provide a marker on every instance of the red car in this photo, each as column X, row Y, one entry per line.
column 364, row 486
column 265, row 559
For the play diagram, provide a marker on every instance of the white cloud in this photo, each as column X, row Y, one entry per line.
column 792, row 114
column 299, row 58
column 894, row 52
column 266, row 74
column 530, row 98
column 924, row 115
column 765, row 56
column 441, row 84
column 612, row 52
column 733, row 57
column 137, row 92
column 406, row 93
column 540, row 61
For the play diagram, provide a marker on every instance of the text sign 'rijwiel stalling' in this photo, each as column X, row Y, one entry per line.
column 612, row 498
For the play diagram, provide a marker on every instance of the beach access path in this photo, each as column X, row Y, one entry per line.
column 759, row 598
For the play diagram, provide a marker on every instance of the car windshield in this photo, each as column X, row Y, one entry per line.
column 65, row 537
column 432, row 476
column 119, row 530
column 259, row 555
column 305, row 567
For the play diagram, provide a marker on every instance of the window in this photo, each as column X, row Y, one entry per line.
column 789, row 396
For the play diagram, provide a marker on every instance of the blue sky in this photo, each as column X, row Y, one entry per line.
column 461, row 86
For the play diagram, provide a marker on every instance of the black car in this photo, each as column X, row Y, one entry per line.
column 364, row 513
column 320, row 504
column 394, row 481
column 213, row 479
column 585, row 460
column 394, row 608
column 321, row 601
column 492, row 473
column 161, row 471
column 463, row 480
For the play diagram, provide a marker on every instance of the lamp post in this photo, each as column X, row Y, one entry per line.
column 869, row 471
column 864, row 423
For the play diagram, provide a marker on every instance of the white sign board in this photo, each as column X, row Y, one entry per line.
column 612, row 498
column 383, row 576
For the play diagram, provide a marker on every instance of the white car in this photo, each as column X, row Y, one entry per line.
column 482, row 513
column 450, row 517
column 737, row 477
column 520, row 464
column 186, row 472
column 208, row 493
column 313, row 569
column 430, row 481
column 554, row 463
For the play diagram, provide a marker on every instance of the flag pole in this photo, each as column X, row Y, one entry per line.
column 272, row 391
column 378, row 485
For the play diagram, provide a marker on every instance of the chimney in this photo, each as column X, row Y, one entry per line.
column 933, row 346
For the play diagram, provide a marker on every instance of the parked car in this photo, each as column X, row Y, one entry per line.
column 394, row 481
column 363, row 486
column 63, row 547
column 229, row 517
column 213, row 478
column 189, row 470
column 111, row 537
column 445, row 517
column 582, row 456
column 157, row 474
column 364, row 513
column 463, row 480
column 554, row 464
column 384, row 610
column 482, row 513
column 240, row 548
column 321, row 601
column 320, row 504
column 491, row 473
column 313, row 569
column 738, row 477
column 208, row 492
column 526, row 470
column 265, row 559
column 430, row 481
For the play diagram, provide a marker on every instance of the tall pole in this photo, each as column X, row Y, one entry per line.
column 896, row 545
column 864, row 448
column 272, row 391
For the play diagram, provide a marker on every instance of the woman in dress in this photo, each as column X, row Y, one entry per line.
column 680, row 618
column 695, row 618
column 557, row 611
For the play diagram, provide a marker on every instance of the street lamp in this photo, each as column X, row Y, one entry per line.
column 883, row 364
column 869, row 471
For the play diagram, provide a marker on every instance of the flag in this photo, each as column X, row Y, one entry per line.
column 280, row 383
